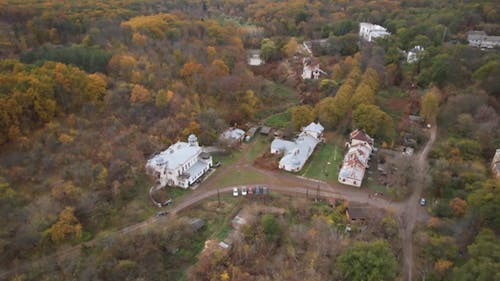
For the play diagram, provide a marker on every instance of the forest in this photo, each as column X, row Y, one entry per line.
column 89, row 90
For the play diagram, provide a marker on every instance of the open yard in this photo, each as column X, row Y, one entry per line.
column 279, row 120
column 238, row 176
column 394, row 101
column 257, row 147
column 325, row 162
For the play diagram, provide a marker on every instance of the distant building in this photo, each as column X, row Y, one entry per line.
column 265, row 130
column 495, row 164
column 197, row 224
column 308, row 47
column 357, row 212
column 414, row 54
column 356, row 159
column 415, row 119
column 481, row 40
column 254, row 58
column 311, row 69
column 251, row 133
column 370, row 32
column 232, row 136
column 181, row 164
column 312, row 45
column 295, row 153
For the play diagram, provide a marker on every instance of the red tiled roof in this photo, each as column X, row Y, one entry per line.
column 360, row 135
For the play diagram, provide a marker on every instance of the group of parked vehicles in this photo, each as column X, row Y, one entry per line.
column 250, row 190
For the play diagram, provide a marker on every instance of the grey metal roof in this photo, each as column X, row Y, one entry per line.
column 300, row 151
column 314, row 127
column 282, row 145
column 265, row 130
column 233, row 134
column 196, row 168
column 197, row 223
column 252, row 131
column 176, row 155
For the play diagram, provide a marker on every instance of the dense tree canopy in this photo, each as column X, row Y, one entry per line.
column 368, row 261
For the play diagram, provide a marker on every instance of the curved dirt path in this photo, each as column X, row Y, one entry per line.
column 300, row 188
column 412, row 210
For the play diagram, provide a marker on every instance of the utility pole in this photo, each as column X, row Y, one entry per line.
column 218, row 195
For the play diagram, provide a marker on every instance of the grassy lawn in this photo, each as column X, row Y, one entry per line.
column 240, row 176
column 324, row 162
column 371, row 183
column 258, row 146
column 217, row 217
column 277, row 98
column 228, row 159
column 279, row 120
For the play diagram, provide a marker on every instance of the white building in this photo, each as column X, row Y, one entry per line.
column 414, row 54
column 295, row 153
column 495, row 164
column 309, row 45
column 253, row 57
column 481, row 40
column 232, row 136
column 311, row 70
column 370, row 32
column 181, row 164
column 356, row 159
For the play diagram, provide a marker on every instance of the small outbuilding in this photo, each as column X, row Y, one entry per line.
column 251, row 133
column 254, row 57
column 357, row 212
column 232, row 136
column 265, row 130
column 197, row 224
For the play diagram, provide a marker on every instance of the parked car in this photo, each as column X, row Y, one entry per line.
column 265, row 190
column 423, row 201
column 168, row 202
column 258, row 190
column 161, row 214
column 244, row 191
column 235, row 192
column 250, row 190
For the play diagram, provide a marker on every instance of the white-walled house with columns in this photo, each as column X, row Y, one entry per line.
column 180, row 165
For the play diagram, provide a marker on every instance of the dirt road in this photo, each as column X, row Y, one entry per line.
column 410, row 214
column 408, row 210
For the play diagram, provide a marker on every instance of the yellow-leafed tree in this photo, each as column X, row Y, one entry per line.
column 67, row 226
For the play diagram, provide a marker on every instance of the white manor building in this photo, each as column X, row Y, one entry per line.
column 370, row 32
column 356, row 159
column 181, row 164
column 295, row 153
column 481, row 40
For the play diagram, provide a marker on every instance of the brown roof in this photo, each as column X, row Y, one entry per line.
column 357, row 212
column 362, row 136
